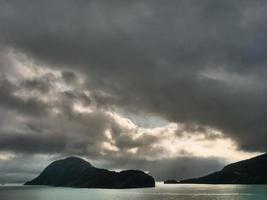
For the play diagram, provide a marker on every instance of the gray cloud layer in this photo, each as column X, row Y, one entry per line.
column 187, row 61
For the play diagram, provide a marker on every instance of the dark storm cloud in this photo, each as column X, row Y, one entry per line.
column 29, row 143
column 8, row 100
column 41, row 84
column 69, row 76
column 66, row 132
column 187, row 61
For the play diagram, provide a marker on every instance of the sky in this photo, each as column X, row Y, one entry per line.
column 175, row 88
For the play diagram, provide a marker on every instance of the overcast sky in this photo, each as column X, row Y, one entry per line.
column 175, row 88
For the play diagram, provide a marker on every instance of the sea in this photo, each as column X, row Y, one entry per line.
column 160, row 192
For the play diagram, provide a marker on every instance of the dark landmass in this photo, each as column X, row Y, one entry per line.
column 76, row 172
column 171, row 182
column 251, row 171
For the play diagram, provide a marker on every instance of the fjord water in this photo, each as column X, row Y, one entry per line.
column 161, row 192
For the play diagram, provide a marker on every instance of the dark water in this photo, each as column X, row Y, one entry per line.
column 168, row 192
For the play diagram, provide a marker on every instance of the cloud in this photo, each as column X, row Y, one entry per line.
column 164, row 59
column 72, row 118
column 8, row 99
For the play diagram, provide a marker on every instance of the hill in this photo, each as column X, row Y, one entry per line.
column 76, row 172
column 251, row 171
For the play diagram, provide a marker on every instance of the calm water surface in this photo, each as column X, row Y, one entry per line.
column 168, row 192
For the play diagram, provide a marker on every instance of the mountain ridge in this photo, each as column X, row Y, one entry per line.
column 249, row 171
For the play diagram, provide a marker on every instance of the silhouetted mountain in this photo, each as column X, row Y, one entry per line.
column 251, row 171
column 76, row 172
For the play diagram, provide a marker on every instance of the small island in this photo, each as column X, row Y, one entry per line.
column 171, row 182
column 76, row 172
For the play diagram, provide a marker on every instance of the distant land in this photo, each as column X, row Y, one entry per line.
column 251, row 171
column 76, row 172
column 171, row 182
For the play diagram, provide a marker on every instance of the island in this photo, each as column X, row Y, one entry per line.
column 251, row 171
column 171, row 182
column 76, row 172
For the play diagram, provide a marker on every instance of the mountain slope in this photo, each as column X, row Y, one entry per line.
column 76, row 172
column 251, row 171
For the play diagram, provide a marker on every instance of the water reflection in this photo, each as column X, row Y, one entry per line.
column 161, row 192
